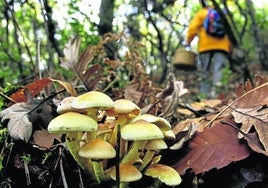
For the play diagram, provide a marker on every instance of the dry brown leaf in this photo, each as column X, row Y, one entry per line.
column 131, row 93
column 185, row 112
column 184, row 125
column 88, row 75
column 212, row 103
column 44, row 139
column 171, row 95
column 254, row 143
column 70, row 51
column 185, row 130
column 33, row 88
column 215, row 147
column 197, row 106
column 69, row 88
column 253, row 117
column 247, row 96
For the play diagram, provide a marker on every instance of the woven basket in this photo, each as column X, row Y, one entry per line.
column 184, row 59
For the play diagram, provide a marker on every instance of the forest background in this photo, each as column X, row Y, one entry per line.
column 139, row 40
column 34, row 33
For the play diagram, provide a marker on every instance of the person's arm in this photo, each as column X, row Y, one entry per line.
column 195, row 25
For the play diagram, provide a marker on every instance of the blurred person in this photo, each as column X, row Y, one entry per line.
column 213, row 54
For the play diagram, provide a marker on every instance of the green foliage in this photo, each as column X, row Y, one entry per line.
column 160, row 27
column 26, row 158
column 226, row 76
column 3, row 136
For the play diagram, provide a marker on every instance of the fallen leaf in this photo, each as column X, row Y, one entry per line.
column 69, row 88
column 185, row 135
column 212, row 103
column 34, row 88
column 253, row 117
column 171, row 95
column 19, row 126
column 131, row 93
column 44, row 139
column 248, row 96
column 254, row 143
column 215, row 147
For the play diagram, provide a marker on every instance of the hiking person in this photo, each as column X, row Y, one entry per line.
column 213, row 49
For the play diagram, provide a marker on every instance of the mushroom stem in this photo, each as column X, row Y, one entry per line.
column 93, row 113
column 73, row 145
column 98, row 171
column 148, row 156
column 123, row 184
column 134, row 152
column 121, row 121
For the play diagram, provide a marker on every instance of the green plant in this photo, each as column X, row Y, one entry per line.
column 26, row 158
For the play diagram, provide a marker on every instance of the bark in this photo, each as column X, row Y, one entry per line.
column 106, row 15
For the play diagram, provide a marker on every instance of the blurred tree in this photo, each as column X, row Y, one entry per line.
column 33, row 32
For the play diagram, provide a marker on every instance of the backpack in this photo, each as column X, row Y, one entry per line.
column 213, row 24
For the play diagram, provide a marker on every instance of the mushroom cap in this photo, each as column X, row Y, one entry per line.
column 157, row 144
column 72, row 122
column 124, row 106
column 141, row 130
column 65, row 106
column 169, row 135
column 97, row 149
column 162, row 123
column 93, row 99
column 127, row 173
column 164, row 173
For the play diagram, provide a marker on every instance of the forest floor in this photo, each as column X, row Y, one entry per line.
column 24, row 165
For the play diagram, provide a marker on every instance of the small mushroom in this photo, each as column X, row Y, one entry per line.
column 72, row 122
column 65, row 106
column 127, row 173
column 152, row 148
column 169, row 135
column 164, row 173
column 93, row 101
column 162, row 123
column 123, row 110
column 97, row 150
column 73, row 125
column 140, row 133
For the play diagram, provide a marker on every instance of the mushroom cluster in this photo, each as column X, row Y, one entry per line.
column 112, row 140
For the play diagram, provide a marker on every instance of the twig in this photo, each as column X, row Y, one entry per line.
column 251, row 116
column 9, row 153
column 117, row 169
column 55, row 167
column 111, row 84
column 8, row 98
column 65, row 185
column 27, row 172
column 46, row 99
column 232, row 103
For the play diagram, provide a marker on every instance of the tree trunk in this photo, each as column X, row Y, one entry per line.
column 106, row 16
